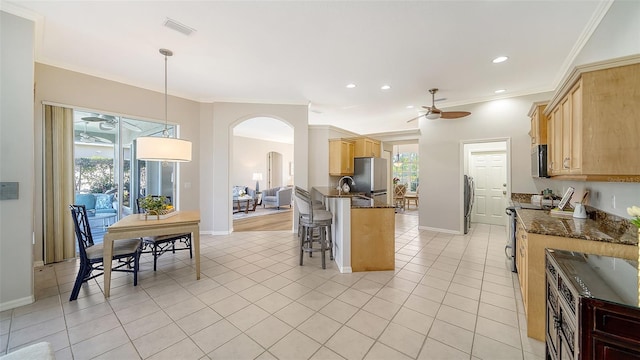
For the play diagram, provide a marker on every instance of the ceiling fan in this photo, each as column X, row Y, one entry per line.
column 108, row 122
column 86, row 138
column 434, row 113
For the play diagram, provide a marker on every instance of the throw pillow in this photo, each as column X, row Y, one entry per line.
column 104, row 201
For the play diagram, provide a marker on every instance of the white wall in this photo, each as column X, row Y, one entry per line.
column 440, row 171
column 16, row 157
column 217, row 153
column 250, row 156
column 617, row 35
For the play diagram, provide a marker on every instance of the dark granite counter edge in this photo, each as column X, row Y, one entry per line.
column 328, row 192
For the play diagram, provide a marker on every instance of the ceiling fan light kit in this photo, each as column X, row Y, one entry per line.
column 164, row 148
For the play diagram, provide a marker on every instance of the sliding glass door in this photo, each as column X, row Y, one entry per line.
column 107, row 176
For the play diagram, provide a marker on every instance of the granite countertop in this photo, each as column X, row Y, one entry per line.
column 540, row 222
column 360, row 203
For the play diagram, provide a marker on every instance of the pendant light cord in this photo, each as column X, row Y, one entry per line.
column 166, row 53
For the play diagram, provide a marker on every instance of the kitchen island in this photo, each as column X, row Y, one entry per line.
column 537, row 230
column 363, row 231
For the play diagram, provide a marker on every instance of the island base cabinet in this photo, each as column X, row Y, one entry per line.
column 372, row 239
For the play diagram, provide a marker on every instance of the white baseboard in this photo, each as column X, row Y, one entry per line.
column 220, row 233
column 446, row 231
column 207, row 232
column 345, row 269
column 16, row 303
column 37, row 264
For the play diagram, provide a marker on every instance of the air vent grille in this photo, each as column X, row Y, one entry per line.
column 181, row 28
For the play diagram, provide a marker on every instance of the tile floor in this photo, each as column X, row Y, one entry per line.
column 450, row 297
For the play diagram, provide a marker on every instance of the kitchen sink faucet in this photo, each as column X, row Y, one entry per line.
column 339, row 188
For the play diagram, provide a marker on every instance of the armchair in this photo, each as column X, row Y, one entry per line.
column 277, row 197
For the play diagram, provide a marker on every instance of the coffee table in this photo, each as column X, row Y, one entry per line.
column 248, row 201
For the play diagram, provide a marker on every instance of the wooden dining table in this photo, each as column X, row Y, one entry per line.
column 135, row 226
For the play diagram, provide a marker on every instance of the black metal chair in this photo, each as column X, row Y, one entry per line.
column 162, row 243
column 127, row 251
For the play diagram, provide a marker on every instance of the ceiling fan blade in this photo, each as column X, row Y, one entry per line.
column 131, row 126
column 427, row 107
column 415, row 118
column 101, row 139
column 454, row 114
column 93, row 118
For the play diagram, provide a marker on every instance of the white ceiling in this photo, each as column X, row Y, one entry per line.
column 300, row 52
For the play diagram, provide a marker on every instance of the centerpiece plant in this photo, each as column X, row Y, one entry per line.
column 155, row 205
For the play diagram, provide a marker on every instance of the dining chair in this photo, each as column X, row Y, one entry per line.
column 127, row 251
column 409, row 197
column 162, row 243
column 398, row 195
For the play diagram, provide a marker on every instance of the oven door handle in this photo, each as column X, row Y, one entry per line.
column 506, row 253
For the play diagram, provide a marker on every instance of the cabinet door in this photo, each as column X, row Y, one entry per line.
column 340, row 158
column 565, row 110
column 556, row 161
column 575, row 152
column 375, row 148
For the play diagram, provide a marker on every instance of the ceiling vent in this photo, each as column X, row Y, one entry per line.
column 181, row 28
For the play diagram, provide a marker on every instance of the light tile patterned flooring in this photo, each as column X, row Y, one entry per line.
column 450, row 297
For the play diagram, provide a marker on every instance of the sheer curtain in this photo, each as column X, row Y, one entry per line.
column 59, row 238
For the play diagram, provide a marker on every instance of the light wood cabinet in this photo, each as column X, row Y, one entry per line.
column 538, row 132
column 532, row 269
column 365, row 147
column 521, row 262
column 594, row 126
column 372, row 239
column 340, row 157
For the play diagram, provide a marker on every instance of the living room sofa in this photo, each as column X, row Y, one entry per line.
column 278, row 196
column 97, row 203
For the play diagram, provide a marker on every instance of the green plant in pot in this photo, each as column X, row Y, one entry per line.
column 155, row 205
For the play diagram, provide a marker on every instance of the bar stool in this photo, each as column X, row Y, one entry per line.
column 314, row 225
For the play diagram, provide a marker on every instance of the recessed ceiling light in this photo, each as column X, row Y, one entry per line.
column 351, row 86
column 385, row 87
column 500, row 91
column 500, row 59
column 409, row 106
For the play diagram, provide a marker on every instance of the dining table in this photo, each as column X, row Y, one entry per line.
column 138, row 225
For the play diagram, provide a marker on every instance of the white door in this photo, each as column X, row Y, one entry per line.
column 489, row 172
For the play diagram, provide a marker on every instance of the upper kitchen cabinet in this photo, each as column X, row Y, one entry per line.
column 365, row 147
column 594, row 132
column 538, row 131
column 340, row 157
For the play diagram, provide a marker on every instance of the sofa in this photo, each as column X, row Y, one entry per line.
column 278, row 196
column 97, row 203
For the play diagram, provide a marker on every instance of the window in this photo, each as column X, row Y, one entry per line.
column 405, row 166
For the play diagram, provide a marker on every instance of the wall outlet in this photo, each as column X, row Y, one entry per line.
column 613, row 201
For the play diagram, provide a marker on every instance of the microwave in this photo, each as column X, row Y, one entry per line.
column 539, row 161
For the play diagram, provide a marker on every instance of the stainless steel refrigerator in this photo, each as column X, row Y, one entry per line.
column 370, row 175
column 469, row 195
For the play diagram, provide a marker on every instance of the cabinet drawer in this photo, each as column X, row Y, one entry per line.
column 603, row 350
column 616, row 324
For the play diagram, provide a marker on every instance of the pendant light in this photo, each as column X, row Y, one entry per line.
column 396, row 161
column 164, row 148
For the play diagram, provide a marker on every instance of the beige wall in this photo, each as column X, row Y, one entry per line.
column 250, row 156
column 76, row 90
column 215, row 209
column 16, row 157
